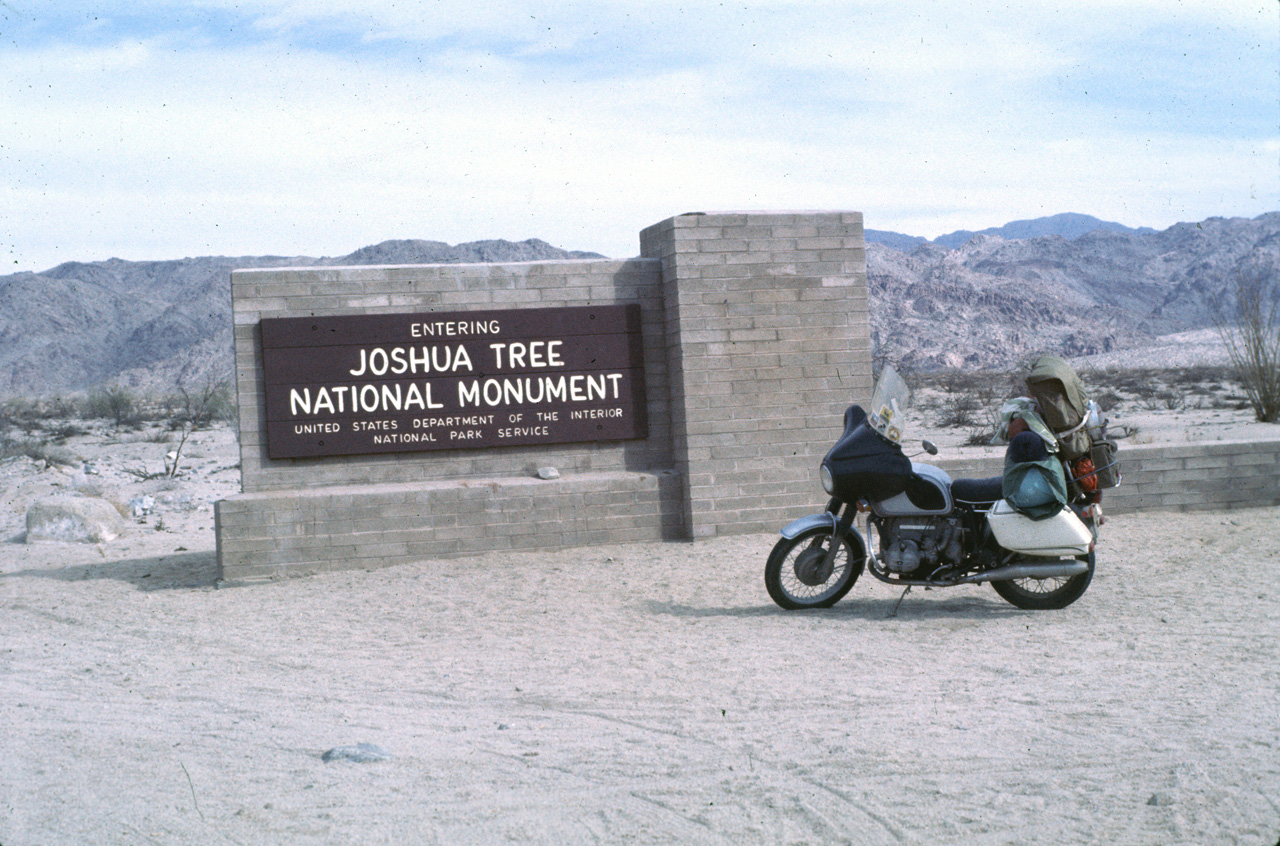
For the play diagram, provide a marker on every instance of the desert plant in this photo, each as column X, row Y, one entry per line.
column 1250, row 329
column 1131, row 381
column 979, row 435
column 958, row 411
column 20, row 413
column 201, row 405
column 63, row 433
column 38, row 451
column 1199, row 376
column 1148, row 392
column 113, row 402
column 1171, row 400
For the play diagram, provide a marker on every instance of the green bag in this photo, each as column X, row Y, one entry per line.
column 1037, row 488
column 1060, row 395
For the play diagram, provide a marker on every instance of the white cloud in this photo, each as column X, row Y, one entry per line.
column 318, row 129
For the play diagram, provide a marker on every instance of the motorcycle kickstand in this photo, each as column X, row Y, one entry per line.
column 898, row 604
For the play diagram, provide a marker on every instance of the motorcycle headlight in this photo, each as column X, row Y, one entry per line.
column 828, row 483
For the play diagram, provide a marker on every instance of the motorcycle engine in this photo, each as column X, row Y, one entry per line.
column 908, row 544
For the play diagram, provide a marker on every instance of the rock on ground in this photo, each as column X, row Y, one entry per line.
column 77, row 519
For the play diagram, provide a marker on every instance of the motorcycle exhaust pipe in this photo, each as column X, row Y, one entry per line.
column 1057, row 569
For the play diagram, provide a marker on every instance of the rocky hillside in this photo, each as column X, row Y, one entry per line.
column 993, row 301
column 988, row 302
column 155, row 324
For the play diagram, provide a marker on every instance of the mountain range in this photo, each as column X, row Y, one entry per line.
column 992, row 301
column 1067, row 225
column 1070, row 284
column 156, row 324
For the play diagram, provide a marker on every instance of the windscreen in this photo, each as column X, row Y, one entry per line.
column 889, row 405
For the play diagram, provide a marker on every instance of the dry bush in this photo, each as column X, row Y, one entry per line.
column 958, row 411
column 113, row 402
column 201, row 405
column 38, row 451
column 1201, row 377
column 1250, row 329
column 972, row 400
column 62, row 434
column 1139, row 382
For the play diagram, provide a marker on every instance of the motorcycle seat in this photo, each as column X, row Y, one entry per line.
column 977, row 491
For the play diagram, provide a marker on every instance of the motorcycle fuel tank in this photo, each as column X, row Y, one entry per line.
column 928, row 492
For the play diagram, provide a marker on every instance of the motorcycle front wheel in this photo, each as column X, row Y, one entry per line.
column 796, row 577
column 1046, row 594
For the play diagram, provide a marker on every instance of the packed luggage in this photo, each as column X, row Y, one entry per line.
column 1069, row 427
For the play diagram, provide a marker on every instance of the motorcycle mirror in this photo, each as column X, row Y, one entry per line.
column 929, row 447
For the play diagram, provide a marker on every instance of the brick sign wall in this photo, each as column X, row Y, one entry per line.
column 731, row 347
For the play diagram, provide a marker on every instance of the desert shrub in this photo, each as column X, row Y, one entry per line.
column 982, row 435
column 1200, row 376
column 113, row 402
column 63, row 433
column 1147, row 388
column 970, row 398
column 1126, row 380
column 22, row 414
column 958, row 411
column 37, row 451
column 15, row 407
column 60, row 407
column 1250, row 329
column 201, row 406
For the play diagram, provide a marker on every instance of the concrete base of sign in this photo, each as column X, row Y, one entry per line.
column 755, row 338
column 274, row 535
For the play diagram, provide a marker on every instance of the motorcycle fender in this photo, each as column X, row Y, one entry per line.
column 825, row 520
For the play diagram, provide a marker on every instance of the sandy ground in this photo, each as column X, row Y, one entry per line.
column 626, row 694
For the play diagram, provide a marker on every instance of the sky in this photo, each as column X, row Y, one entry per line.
column 160, row 129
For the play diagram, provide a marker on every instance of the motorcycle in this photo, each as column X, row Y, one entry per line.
column 922, row 528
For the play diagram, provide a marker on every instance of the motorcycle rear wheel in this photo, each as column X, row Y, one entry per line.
column 1046, row 594
column 794, row 575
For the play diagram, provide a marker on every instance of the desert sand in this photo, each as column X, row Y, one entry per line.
column 646, row 693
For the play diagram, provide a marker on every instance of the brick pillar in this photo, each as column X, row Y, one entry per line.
column 768, row 340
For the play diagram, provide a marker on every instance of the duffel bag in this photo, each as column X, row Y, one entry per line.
column 1105, row 463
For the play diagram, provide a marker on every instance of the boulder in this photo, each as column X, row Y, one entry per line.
column 74, row 519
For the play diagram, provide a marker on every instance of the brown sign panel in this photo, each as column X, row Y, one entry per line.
column 407, row 382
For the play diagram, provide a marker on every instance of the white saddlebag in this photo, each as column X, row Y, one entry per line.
column 1062, row 534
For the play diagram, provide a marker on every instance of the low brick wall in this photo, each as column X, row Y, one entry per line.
column 345, row 527
column 1191, row 477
